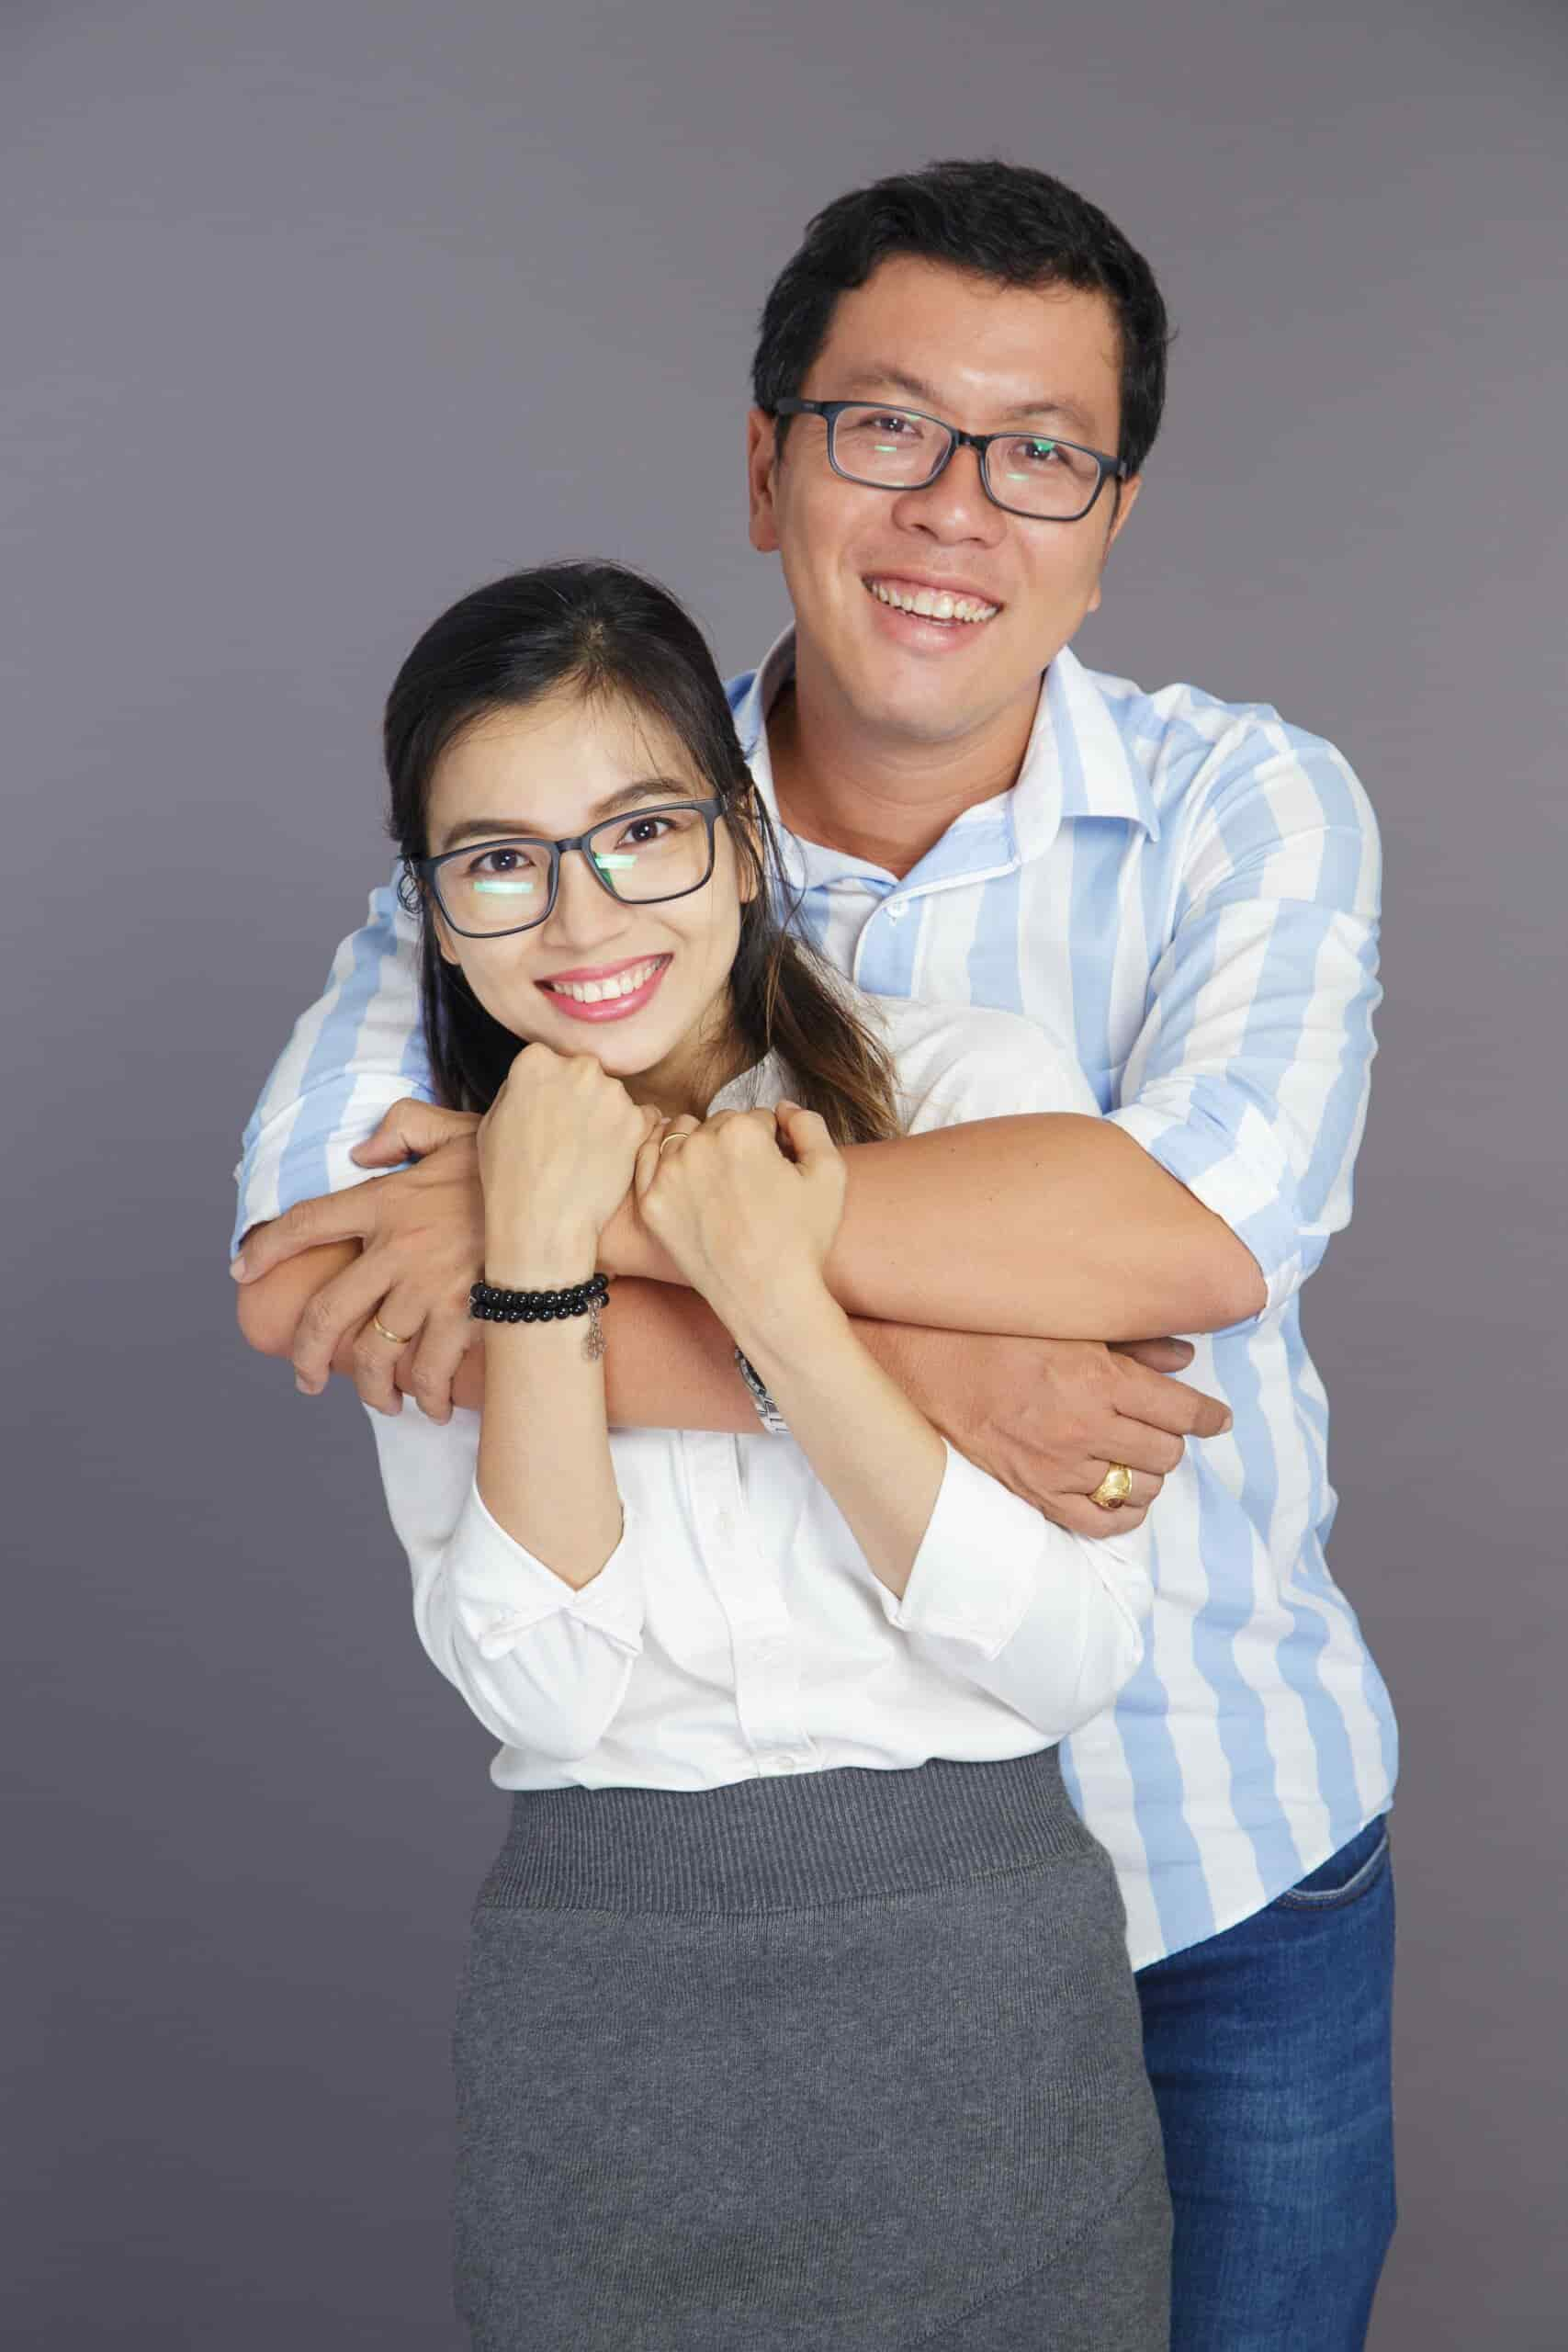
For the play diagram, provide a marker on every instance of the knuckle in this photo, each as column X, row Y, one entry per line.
column 316, row 1321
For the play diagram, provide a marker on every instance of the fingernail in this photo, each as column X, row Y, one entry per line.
column 306, row 1388
column 237, row 1268
column 1228, row 1423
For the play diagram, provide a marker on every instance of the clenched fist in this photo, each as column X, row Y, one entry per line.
column 557, row 1148
column 747, row 1204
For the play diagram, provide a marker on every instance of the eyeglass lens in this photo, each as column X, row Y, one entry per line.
column 505, row 884
column 897, row 449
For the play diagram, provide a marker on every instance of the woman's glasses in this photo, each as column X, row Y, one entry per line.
column 487, row 889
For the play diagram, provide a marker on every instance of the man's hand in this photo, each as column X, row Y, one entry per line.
column 1048, row 1417
column 423, row 1236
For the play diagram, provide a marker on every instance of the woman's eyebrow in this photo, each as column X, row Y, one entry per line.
column 625, row 796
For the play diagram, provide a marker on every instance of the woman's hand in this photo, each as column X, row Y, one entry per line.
column 555, row 1151
column 747, row 1204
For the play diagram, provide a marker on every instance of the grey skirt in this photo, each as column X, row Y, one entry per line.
column 847, row 2063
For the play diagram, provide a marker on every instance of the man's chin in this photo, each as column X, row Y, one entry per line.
column 909, row 703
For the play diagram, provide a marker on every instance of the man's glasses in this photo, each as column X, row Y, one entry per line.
column 900, row 448
column 487, row 889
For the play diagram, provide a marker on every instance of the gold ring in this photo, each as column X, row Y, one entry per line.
column 1115, row 1488
column 665, row 1142
column 389, row 1335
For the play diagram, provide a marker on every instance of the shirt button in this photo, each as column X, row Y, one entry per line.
column 899, row 909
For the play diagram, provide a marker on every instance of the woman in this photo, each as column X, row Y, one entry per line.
column 797, row 2010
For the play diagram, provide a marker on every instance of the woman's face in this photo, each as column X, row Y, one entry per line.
column 553, row 770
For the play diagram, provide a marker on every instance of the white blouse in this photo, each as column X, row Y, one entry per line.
column 737, row 1628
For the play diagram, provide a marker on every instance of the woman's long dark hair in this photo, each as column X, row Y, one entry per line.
column 605, row 632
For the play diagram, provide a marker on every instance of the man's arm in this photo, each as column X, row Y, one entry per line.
column 1248, row 1080
column 1050, row 1225
column 352, row 1055
column 1044, row 1416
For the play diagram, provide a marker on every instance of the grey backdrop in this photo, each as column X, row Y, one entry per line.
column 315, row 315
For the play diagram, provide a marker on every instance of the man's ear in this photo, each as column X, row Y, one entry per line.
column 1127, row 493
column 762, row 466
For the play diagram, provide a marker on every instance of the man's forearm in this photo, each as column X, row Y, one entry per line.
column 1052, row 1226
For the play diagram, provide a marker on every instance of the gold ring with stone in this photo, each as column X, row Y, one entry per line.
column 389, row 1335
column 1115, row 1488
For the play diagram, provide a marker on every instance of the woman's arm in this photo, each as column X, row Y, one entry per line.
column 1023, row 1608
column 542, row 1663
column 534, row 1605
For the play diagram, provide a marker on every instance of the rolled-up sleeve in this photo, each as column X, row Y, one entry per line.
column 542, row 1665
column 1044, row 1620
column 1248, row 1078
column 357, row 1050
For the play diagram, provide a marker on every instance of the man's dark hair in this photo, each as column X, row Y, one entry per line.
column 1003, row 221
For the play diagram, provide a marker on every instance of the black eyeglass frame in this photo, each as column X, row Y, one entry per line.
column 428, row 869
column 831, row 411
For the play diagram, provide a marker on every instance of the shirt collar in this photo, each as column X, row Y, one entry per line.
column 1076, row 762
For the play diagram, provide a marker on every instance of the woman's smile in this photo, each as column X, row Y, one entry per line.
column 606, row 991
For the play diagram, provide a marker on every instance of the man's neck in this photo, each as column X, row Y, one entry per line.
column 884, row 802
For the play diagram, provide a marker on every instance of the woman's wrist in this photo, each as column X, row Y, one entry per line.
column 780, row 1338
column 531, row 1256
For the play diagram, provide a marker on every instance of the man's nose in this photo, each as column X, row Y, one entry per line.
column 956, row 506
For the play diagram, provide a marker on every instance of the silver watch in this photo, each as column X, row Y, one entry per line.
column 768, row 1413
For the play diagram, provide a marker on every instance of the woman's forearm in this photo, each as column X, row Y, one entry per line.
column 878, row 1457
column 544, row 1472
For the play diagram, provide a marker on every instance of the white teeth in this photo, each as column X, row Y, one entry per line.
column 933, row 603
column 598, row 992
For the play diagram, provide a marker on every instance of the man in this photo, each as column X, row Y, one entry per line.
column 958, row 379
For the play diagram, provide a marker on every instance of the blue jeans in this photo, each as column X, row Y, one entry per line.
column 1269, row 2048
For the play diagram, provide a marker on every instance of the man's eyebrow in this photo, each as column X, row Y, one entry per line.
column 625, row 796
column 1048, row 405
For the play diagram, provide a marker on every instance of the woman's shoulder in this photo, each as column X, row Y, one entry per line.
column 955, row 1062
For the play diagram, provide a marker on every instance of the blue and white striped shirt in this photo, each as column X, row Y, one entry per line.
column 1188, row 890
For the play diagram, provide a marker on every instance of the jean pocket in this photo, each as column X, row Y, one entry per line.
column 1345, row 1876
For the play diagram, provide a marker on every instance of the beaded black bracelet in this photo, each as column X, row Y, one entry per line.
column 493, row 1303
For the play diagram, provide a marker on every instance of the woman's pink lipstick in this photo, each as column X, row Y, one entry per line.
column 613, row 1008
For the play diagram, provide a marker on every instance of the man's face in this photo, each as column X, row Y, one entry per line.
column 987, row 359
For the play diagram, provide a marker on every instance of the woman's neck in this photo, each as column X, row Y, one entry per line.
column 696, row 1070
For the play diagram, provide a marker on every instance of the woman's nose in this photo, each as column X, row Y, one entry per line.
column 583, row 908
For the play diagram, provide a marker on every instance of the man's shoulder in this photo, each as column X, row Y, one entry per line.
column 1192, row 744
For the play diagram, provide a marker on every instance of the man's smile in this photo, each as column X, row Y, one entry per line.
column 945, row 601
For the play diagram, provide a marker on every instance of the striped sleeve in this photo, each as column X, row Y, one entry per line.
column 1248, row 1078
column 356, row 1051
